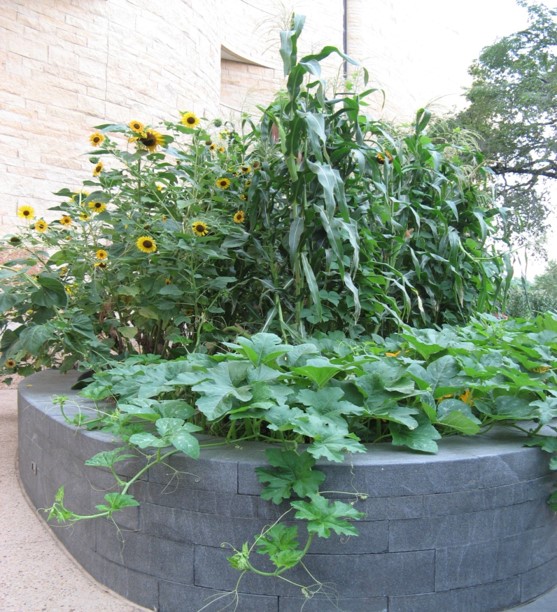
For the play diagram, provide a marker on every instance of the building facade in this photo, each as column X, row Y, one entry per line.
column 68, row 65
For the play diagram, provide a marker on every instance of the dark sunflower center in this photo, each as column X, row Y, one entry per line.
column 191, row 120
column 26, row 213
column 147, row 244
column 149, row 140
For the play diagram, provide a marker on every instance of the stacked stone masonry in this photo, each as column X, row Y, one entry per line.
column 467, row 530
column 68, row 65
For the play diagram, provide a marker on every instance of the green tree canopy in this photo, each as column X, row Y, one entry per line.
column 513, row 110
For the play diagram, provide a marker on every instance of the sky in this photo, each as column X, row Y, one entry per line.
column 443, row 37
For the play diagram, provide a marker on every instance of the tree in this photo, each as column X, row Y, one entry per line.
column 513, row 111
column 527, row 299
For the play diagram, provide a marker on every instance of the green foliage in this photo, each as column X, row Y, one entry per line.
column 323, row 516
column 315, row 218
column 331, row 397
column 512, row 109
column 530, row 299
column 244, row 284
column 290, row 472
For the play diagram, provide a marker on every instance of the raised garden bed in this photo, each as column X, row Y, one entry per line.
column 465, row 530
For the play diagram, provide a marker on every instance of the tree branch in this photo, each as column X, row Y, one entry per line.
column 548, row 172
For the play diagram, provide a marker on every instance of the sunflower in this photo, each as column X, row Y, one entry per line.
column 97, row 207
column 10, row 363
column 96, row 139
column 84, row 216
column 66, row 220
column 101, row 254
column 100, row 264
column 243, row 197
column 26, row 212
column 146, row 244
column 136, row 126
column 380, row 157
column 98, row 169
column 190, row 120
column 41, row 226
column 239, row 216
column 222, row 183
column 200, row 228
column 212, row 147
column 151, row 140
column 221, row 149
column 245, row 169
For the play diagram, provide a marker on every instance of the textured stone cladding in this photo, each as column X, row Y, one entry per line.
column 467, row 530
column 69, row 65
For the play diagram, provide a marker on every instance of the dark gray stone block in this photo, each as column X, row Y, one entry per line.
column 484, row 598
column 404, row 479
column 181, row 598
column 538, row 580
column 213, row 571
column 374, row 575
column 135, row 586
column 453, row 529
column 332, row 603
column 523, row 464
column 492, row 560
column 147, row 554
column 354, row 576
column 373, row 538
column 487, row 498
column 202, row 474
column 197, row 527
column 79, row 539
column 178, row 494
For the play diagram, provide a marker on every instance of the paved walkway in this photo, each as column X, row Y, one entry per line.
column 36, row 573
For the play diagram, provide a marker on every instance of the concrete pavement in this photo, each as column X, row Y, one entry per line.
column 36, row 574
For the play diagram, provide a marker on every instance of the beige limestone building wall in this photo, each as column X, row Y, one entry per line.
column 67, row 65
column 252, row 31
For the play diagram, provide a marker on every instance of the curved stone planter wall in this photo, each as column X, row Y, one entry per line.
column 466, row 530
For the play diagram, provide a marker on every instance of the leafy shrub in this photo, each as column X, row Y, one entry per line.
column 313, row 279
column 530, row 299
column 317, row 218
